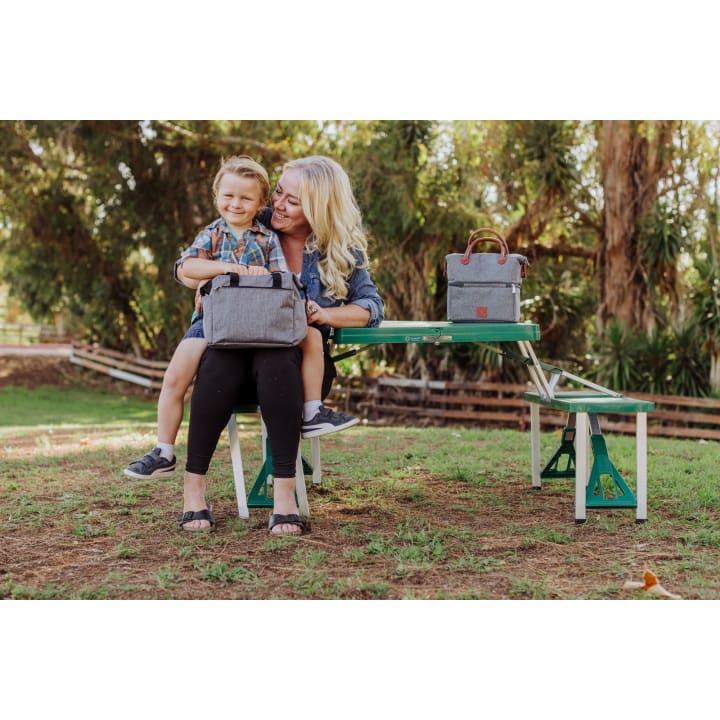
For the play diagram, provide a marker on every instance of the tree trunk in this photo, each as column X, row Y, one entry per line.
column 714, row 373
column 713, row 342
column 634, row 157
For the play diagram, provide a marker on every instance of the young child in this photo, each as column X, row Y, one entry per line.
column 236, row 242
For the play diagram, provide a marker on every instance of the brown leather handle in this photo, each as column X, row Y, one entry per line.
column 477, row 236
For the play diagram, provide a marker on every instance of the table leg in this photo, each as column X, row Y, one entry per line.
column 237, row 465
column 300, row 490
column 317, row 470
column 641, row 466
column 582, row 465
column 535, row 445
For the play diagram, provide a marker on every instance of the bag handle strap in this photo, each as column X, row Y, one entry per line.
column 299, row 284
column 302, row 289
column 481, row 235
column 276, row 283
column 206, row 288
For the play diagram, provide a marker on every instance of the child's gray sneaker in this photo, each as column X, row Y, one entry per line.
column 151, row 465
column 327, row 421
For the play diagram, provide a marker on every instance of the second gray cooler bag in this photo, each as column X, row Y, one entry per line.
column 484, row 287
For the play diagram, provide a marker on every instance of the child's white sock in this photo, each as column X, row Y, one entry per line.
column 310, row 409
column 166, row 450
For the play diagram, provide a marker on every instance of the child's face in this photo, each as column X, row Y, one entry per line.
column 239, row 199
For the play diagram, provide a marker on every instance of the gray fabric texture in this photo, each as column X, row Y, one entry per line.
column 485, row 289
column 254, row 311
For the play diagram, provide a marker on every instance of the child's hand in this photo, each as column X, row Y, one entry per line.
column 252, row 270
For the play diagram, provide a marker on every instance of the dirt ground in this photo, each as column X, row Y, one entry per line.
column 520, row 545
column 29, row 371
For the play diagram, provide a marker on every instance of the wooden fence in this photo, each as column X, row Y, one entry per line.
column 31, row 333
column 130, row 368
column 439, row 402
column 433, row 402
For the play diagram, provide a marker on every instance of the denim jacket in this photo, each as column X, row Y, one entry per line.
column 361, row 289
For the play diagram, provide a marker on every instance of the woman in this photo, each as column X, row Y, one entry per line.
column 318, row 221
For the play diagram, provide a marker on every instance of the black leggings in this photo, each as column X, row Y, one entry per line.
column 226, row 378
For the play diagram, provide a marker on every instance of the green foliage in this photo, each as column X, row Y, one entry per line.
column 616, row 353
column 666, row 362
column 98, row 212
column 559, row 296
column 535, row 157
column 655, row 355
column 689, row 363
column 706, row 300
column 663, row 236
column 93, row 215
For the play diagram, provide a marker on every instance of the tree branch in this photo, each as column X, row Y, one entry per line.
column 557, row 249
column 204, row 138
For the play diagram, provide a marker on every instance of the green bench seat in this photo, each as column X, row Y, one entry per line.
column 584, row 407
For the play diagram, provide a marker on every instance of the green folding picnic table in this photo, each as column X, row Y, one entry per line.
column 587, row 405
column 443, row 332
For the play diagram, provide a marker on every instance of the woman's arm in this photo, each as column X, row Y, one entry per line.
column 363, row 306
column 338, row 317
column 363, row 295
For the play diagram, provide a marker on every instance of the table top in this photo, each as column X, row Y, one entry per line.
column 436, row 332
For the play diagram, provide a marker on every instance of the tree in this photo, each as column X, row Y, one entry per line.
column 635, row 157
column 97, row 213
column 705, row 290
column 618, row 219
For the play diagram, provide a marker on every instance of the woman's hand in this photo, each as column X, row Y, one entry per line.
column 317, row 315
column 349, row 315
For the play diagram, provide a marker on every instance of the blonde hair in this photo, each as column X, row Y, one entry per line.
column 243, row 166
column 327, row 200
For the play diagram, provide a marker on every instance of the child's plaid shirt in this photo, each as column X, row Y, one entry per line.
column 257, row 246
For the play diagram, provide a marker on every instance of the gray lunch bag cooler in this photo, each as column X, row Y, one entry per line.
column 253, row 311
column 484, row 287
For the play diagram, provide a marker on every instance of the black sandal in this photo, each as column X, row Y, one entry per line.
column 191, row 515
column 288, row 520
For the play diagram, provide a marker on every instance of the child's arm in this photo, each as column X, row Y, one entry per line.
column 196, row 270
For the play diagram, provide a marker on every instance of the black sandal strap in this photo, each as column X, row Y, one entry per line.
column 191, row 515
column 287, row 520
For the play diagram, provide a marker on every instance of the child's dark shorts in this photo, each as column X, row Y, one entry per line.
column 195, row 330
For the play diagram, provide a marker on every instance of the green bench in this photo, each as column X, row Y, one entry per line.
column 600, row 486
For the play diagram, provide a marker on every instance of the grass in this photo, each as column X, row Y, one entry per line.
column 421, row 513
column 77, row 407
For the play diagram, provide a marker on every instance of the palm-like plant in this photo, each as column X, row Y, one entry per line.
column 654, row 356
column 616, row 358
column 689, row 364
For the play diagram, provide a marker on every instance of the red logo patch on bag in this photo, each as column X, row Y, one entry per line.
column 481, row 311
